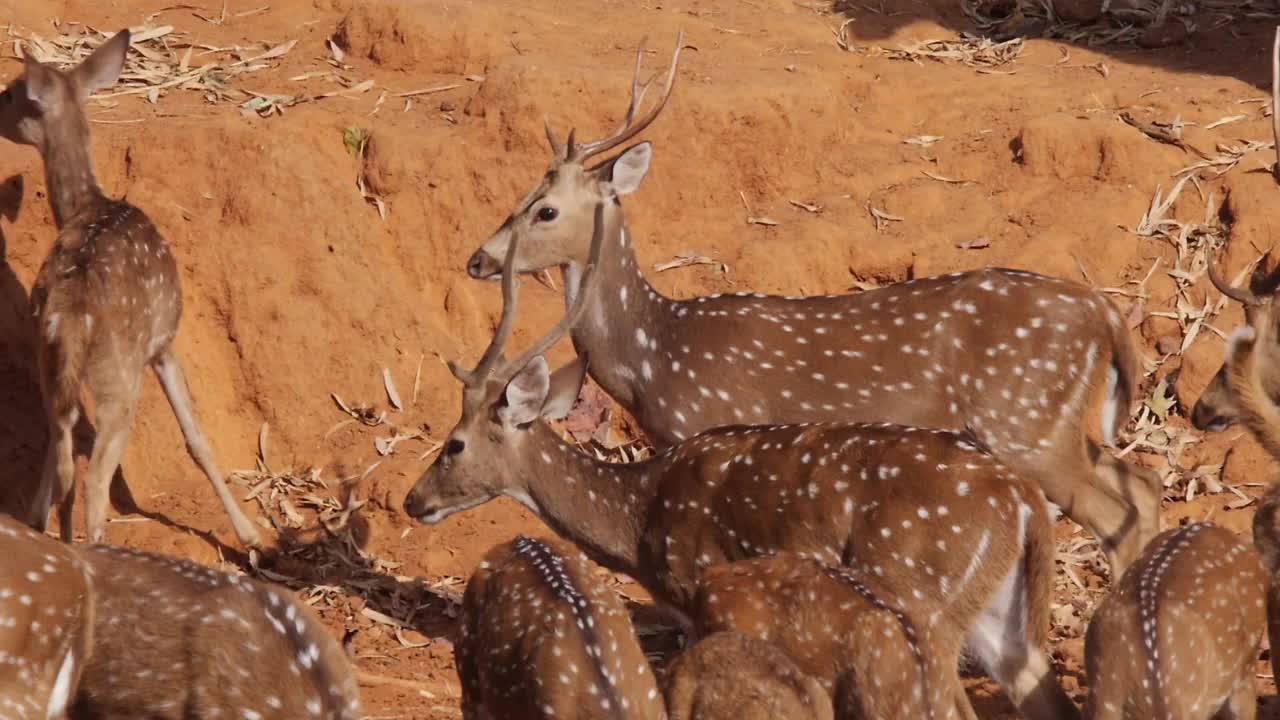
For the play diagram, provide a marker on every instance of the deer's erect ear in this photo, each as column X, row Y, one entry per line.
column 566, row 383
column 41, row 82
column 526, row 393
column 625, row 172
column 102, row 68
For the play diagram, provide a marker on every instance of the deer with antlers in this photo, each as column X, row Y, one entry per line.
column 1248, row 383
column 107, row 300
column 1179, row 634
column 898, row 503
column 731, row 676
column 174, row 640
column 46, row 623
column 1016, row 357
column 842, row 629
column 541, row 636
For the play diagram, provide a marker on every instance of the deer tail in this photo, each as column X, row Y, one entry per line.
column 1038, row 558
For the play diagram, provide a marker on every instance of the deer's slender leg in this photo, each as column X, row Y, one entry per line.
column 115, row 415
column 169, row 371
column 60, row 460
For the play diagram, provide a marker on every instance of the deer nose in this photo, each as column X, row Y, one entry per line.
column 1204, row 417
column 481, row 265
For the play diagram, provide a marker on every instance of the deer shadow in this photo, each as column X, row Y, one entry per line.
column 1239, row 49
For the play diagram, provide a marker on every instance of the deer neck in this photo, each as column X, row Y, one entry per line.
column 68, row 169
column 625, row 310
column 601, row 507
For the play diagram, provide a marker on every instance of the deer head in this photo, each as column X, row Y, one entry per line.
column 501, row 401
column 45, row 102
column 1216, row 410
column 555, row 219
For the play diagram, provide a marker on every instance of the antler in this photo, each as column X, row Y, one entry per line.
column 629, row 127
column 491, row 364
column 1244, row 296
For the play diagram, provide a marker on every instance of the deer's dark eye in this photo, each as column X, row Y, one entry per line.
column 454, row 446
column 547, row 214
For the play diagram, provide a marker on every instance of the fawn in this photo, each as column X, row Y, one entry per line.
column 1016, row 357
column 840, row 629
column 174, row 640
column 729, row 676
column 107, row 299
column 46, row 623
column 1179, row 634
column 540, row 636
column 895, row 502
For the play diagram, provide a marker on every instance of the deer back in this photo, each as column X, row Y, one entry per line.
column 730, row 676
column 46, row 623
column 896, row 503
column 839, row 627
column 1180, row 632
column 540, row 634
column 178, row 640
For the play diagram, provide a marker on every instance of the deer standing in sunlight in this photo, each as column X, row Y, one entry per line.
column 955, row 536
column 46, row 623
column 107, row 300
column 540, row 636
column 1015, row 357
column 1180, row 632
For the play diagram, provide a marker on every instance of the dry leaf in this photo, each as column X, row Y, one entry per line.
column 923, row 140
column 975, row 244
column 588, row 414
column 808, row 207
column 688, row 258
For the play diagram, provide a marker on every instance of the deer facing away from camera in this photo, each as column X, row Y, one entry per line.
column 1179, row 634
column 895, row 502
column 730, row 676
column 174, row 640
column 542, row 637
column 1014, row 356
column 107, row 300
column 46, row 623
column 842, row 629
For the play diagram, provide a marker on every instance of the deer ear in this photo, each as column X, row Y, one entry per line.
column 40, row 81
column 625, row 172
column 566, row 383
column 526, row 394
column 102, row 68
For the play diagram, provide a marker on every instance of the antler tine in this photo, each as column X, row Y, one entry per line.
column 575, row 309
column 1275, row 101
column 557, row 150
column 500, row 336
column 1241, row 295
column 630, row 127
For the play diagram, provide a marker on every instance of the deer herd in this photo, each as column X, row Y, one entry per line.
column 849, row 493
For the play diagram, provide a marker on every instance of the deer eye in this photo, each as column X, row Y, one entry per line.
column 454, row 446
column 547, row 214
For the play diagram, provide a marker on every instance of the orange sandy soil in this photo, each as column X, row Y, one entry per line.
column 296, row 289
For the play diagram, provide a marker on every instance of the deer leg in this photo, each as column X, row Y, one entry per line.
column 1243, row 703
column 115, row 415
column 999, row 640
column 1069, row 481
column 1137, row 484
column 169, row 371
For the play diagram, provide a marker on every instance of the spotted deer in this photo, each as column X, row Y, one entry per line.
column 542, row 637
column 730, row 676
column 946, row 527
column 174, row 640
column 842, row 629
column 1016, row 357
column 1179, row 634
column 46, row 623
column 1251, row 359
column 107, row 299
